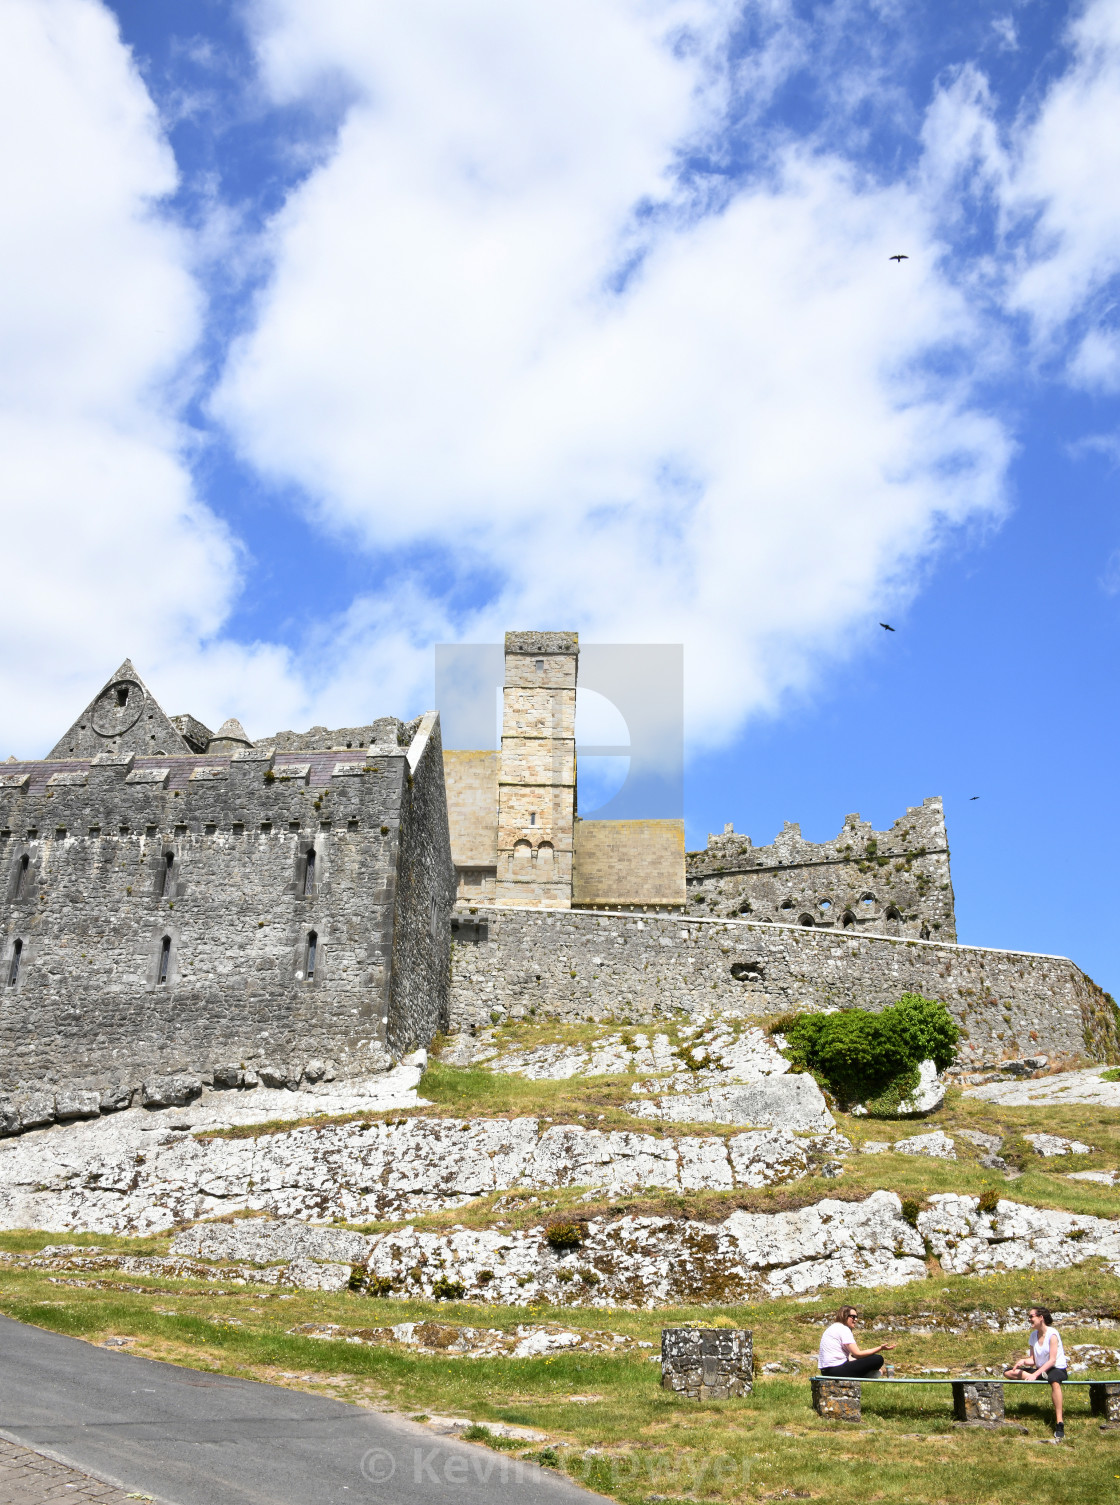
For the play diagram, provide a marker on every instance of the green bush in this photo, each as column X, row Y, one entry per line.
column 859, row 1055
column 565, row 1234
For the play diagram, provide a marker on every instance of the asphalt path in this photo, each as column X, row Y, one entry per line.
column 191, row 1438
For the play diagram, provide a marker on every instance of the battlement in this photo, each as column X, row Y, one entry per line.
column 895, row 882
column 543, row 643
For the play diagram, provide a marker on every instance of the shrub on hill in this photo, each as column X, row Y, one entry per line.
column 874, row 1058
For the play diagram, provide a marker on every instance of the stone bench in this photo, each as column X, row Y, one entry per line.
column 973, row 1400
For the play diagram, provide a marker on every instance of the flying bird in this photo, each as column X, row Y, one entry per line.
column 974, row 796
column 886, row 626
column 899, row 257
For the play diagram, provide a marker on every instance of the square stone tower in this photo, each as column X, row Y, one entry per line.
column 537, row 771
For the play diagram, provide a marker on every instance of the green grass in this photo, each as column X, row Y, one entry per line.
column 648, row 1440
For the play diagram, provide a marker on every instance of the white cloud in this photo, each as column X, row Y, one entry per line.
column 1068, row 164
column 106, row 550
column 743, row 446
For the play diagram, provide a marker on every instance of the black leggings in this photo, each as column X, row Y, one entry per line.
column 855, row 1369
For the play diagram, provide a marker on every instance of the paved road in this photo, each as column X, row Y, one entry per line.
column 200, row 1439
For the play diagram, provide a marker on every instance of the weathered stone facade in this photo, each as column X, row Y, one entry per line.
column 187, row 911
column 707, row 1363
column 575, row 965
column 894, row 882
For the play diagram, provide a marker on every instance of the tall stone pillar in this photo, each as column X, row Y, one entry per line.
column 537, row 773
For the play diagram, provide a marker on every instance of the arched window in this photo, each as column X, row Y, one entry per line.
column 522, row 859
column 13, row 970
column 849, row 918
column 309, row 873
column 806, row 920
column 867, row 901
column 165, row 874
column 164, row 959
column 312, row 953
column 925, row 932
column 21, row 874
column 787, row 904
column 546, row 857
column 892, row 913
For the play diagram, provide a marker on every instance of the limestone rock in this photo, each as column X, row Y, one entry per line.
column 77, row 1103
column 262, row 1242
column 133, row 1174
column 169, row 1091
column 781, row 1102
column 937, row 1144
column 926, row 1096
column 226, row 1077
column 1051, row 1145
column 36, row 1109
column 1014, row 1237
column 116, row 1098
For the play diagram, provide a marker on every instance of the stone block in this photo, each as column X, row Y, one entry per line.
column 36, row 1110
column 227, row 1076
column 116, row 1098
column 977, row 1400
column 169, row 1091
column 837, row 1399
column 76, row 1102
column 707, row 1363
column 1104, row 1399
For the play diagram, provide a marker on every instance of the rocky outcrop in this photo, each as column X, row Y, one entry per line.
column 629, row 1261
column 1014, row 1237
column 110, row 1176
column 782, row 1102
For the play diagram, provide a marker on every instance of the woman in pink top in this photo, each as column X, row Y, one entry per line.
column 840, row 1358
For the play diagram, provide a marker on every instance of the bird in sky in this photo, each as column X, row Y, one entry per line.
column 974, row 796
column 900, row 256
column 886, row 626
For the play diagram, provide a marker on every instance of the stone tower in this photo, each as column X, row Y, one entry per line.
column 537, row 771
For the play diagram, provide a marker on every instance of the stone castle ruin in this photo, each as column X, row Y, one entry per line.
column 180, row 900
column 317, row 904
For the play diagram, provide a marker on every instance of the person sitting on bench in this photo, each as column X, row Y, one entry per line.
column 1046, row 1360
column 839, row 1357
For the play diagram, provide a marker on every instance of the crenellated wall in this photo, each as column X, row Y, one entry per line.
column 894, row 882
column 580, row 965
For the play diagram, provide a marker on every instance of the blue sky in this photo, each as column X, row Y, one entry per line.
column 333, row 330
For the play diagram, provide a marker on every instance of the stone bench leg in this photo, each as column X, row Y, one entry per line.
column 838, row 1399
column 978, row 1400
column 1104, row 1399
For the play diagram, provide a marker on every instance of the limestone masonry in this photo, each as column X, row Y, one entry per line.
column 183, row 907
column 176, row 902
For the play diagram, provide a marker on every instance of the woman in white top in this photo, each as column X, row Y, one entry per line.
column 1046, row 1360
column 839, row 1357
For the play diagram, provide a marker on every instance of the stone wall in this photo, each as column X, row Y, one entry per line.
column 894, row 882
column 583, row 965
column 472, row 809
column 107, row 863
column 425, row 891
column 629, row 862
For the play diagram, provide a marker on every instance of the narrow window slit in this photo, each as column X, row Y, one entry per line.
column 309, row 873
column 312, row 948
column 13, row 970
column 21, row 874
column 164, row 958
column 165, row 874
